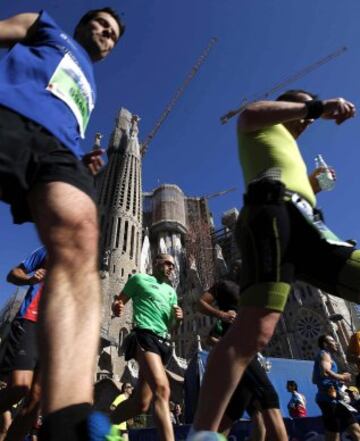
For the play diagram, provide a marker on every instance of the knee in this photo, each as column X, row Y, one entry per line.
column 263, row 338
column 143, row 405
column 74, row 241
column 162, row 392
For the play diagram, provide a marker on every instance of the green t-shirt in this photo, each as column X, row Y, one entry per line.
column 152, row 303
column 275, row 147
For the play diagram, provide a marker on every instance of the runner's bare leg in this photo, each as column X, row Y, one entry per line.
column 66, row 219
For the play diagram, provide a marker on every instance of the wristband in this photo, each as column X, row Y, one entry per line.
column 315, row 108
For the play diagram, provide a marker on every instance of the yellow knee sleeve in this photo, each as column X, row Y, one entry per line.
column 269, row 295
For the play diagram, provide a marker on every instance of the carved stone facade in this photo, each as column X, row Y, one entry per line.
column 182, row 226
column 120, row 212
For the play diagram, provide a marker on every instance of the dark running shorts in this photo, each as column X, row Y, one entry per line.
column 21, row 347
column 294, row 250
column 336, row 417
column 148, row 341
column 254, row 391
column 29, row 155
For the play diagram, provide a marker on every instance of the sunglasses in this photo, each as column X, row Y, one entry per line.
column 169, row 263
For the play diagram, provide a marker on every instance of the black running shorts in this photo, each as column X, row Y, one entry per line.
column 254, row 391
column 336, row 417
column 21, row 347
column 30, row 155
column 148, row 341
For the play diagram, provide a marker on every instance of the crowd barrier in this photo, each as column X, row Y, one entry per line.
column 299, row 429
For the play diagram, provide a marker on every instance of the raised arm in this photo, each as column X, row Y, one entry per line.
column 262, row 114
column 268, row 113
column 17, row 28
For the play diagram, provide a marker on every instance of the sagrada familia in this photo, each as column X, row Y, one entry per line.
column 137, row 225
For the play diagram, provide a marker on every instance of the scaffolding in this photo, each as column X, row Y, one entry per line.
column 198, row 241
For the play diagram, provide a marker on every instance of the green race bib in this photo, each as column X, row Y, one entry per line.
column 70, row 84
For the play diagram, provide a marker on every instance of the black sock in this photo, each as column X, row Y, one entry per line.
column 67, row 424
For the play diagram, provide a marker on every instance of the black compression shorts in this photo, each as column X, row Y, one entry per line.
column 255, row 390
column 279, row 245
column 29, row 155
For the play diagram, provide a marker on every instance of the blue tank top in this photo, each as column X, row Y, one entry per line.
column 49, row 79
column 327, row 387
column 33, row 262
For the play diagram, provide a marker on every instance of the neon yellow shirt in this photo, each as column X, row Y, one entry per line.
column 272, row 147
column 119, row 399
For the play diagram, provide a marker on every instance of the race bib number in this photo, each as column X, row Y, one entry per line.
column 326, row 234
column 69, row 84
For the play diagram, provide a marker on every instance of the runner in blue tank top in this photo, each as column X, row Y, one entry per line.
column 336, row 413
column 47, row 94
column 20, row 360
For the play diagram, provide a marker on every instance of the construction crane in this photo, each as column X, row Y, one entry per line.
column 218, row 193
column 280, row 85
column 180, row 91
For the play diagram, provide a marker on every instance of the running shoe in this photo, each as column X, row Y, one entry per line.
column 205, row 435
column 101, row 429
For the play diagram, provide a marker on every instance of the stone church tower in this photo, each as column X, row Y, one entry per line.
column 120, row 211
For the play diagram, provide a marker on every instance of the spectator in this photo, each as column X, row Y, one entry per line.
column 172, row 412
column 178, row 414
column 126, row 392
column 297, row 403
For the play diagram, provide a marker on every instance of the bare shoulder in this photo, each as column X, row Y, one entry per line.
column 325, row 356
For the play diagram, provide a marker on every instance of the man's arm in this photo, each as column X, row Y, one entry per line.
column 205, row 306
column 325, row 366
column 17, row 28
column 119, row 303
column 93, row 161
column 19, row 276
column 178, row 315
column 261, row 114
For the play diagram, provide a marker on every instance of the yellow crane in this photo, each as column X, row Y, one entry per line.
column 218, row 193
column 281, row 84
column 180, row 91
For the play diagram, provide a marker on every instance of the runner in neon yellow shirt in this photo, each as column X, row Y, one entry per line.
column 281, row 237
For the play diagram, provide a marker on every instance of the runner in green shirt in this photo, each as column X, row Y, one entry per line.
column 155, row 314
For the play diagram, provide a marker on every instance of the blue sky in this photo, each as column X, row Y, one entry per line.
column 260, row 43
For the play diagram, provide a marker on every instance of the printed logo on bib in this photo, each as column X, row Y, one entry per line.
column 69, row 84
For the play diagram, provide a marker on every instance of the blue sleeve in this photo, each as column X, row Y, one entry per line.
column 35, row 260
